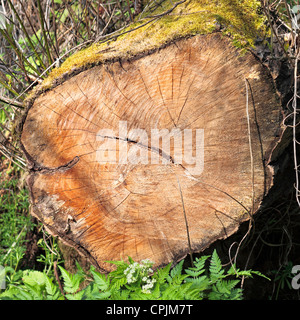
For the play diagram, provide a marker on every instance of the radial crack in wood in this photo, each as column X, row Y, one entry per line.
column 145, row 136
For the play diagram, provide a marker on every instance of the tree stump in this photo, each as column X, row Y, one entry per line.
column 155, row 156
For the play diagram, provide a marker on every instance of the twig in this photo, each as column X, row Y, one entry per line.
column 153, row 18
column 168, row 11
column 250, row 142
column 267, row 13
column 53, row 64
column 58, row 280
column 11, row 102
column 294, row 129
column 55, row 253
column 186, row 222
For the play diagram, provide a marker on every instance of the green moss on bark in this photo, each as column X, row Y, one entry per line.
column 239, row 19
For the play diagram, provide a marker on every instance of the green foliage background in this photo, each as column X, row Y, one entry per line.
column 196, row 283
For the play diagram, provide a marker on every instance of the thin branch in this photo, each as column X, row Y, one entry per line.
column 186, row 222
column 250, row 142
column 58, row 280
column 11, row 102
column 294, row 129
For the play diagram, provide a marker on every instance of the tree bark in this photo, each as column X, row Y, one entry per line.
column 100, row 181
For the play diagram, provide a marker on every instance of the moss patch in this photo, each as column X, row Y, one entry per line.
column 238, row 18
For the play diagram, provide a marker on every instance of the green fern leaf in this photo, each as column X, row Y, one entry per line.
column 236, row 294
column 171, row 293
column 215, row 268
column 177, row 269
column 34, row 291
column 75, row 296
column 24, row 294
column 52, row 290
column 215, row 264
column 91, row 292
column 163, row 273
column 193, row 273
column 202, row 283
column 100, row 280
column 199, row 263
column 71, row 282
column 116, row 283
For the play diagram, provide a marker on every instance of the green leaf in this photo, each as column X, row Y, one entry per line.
column 215, row 264
column 260, row 274
column 199, row 263
column 130, row 260
column 163, row 273
column 177, row 269
column 194, row 273
column 75, row 296
column 52, row 290
column 71, row 282
column 34, row 278
column 100, row 280
column 33, row 291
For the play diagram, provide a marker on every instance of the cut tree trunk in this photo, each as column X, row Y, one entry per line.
column 100, row 180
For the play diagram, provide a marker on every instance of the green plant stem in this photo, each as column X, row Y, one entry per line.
column 27, row 35
column 21, row 56
column 34, row 32
column 8, row 88
column 43, row 31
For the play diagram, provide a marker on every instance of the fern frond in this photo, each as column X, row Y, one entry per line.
column 117, row 283
column 202, row 283
column 177, row 270
column 162, row 274
column 199, row 263
column 71, row 281
column 193, row 273
column 215, row 264
column 100, row 280
column 52, row 290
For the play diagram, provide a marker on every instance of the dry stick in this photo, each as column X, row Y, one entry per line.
column 250, row 142
column 43, row 24
column 58, row 280
column 186, row 222
column 129, row 11
column 45, row 241
column 108, row 22
column 11, row 102
column 10, row 157
column 294, row 128
column 267, row 12
column 252, row 171
column 53, row 64
column 33, row 29
column 287, row 7
column 168, row 11
column 55, row 29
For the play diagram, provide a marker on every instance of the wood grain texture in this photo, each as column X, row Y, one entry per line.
column 109, row 211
